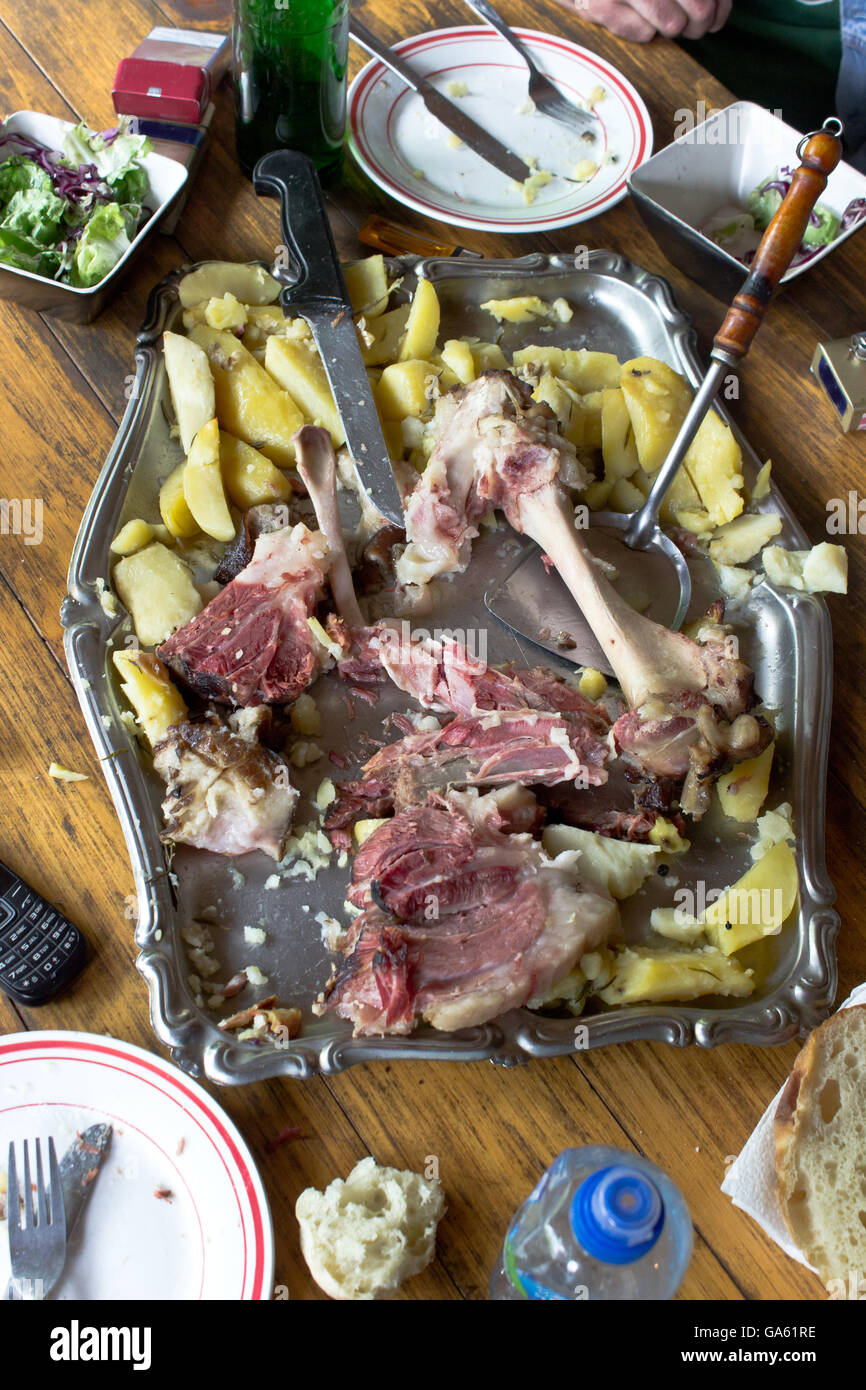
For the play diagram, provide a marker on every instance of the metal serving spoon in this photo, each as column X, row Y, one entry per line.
column 538, row 607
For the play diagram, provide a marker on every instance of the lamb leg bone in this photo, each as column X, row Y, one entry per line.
column 318, row 469
column 646, row 658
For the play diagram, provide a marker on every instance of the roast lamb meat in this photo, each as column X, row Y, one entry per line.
column 252, row 644
column 460, row 920
column 689, row 702
column 224, row 791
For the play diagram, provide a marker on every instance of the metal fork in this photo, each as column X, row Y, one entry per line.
column 37, row 1246
column 547, row 98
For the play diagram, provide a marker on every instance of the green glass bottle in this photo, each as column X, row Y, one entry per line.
column 290, row 60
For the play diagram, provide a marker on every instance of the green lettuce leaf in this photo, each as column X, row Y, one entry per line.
column 117, row 163
column 18, row 173
column 100, row 246
column 36, row 213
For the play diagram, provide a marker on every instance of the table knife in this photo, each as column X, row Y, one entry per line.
column 319, row 295
column 79, row 1167
column 451, row 116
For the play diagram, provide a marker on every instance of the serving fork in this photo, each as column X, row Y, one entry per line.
column 546, row 97
column 37, row 1243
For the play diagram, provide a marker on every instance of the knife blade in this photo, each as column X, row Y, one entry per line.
column 319, row 295
column 79, row 1167
column 470, row 132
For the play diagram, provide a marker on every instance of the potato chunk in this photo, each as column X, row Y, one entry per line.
column 422, row 325
column 156, row 588
column 248, row 476
column 457, row 355
column 249, row 403
column 743, row 790
column 757, row 904
column 403, row 389
column 299, row 369
column 173, row 509
column 145, row 682
column 657, row 399
column 617, row 867
column 367, row 284
column 191, row 385
column 203, row 485
column 135, row 535
column 714, row 462
column 381, row 337
column 646, row 975
column 618, row 448
column 251, row 284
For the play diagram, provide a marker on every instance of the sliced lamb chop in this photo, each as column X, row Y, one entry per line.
column 225, row 792
column 443, row 676
column 252, row 644
column 528, row 747
column 667, row 732
column 460, row 921
column 317, row 466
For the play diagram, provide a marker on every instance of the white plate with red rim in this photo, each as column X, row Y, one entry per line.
column 211, row 1239
column 407, row 152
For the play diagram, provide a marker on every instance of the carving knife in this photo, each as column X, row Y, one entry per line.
column 451, row 116
column 319, row 295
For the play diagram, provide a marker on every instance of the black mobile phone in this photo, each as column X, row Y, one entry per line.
column 41, row 951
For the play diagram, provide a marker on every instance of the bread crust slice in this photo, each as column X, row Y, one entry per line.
column 820, row 1141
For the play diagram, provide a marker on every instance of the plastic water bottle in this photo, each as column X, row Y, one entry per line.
column 601, row 1224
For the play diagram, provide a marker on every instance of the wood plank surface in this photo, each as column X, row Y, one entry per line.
column 492, row 1130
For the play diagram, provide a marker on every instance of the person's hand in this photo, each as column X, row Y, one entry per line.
column 641, row 20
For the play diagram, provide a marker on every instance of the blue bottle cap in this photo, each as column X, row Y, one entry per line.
column 617, row 1214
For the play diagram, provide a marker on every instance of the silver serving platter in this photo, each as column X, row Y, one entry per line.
column 786, row 637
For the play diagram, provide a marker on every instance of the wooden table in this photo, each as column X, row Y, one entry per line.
column 492, row 1130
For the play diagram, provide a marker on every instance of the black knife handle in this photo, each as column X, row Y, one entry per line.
column 291, row 177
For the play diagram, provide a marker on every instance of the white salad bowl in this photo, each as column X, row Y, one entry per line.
column 166, row 178
column 715, row 164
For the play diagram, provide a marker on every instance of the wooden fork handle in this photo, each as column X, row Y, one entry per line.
column 779, row 244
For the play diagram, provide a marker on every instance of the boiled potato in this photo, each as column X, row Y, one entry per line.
column 821, row 570
column 650, row 976
column 757, row 904
column 617, row 867
column 566, row 406
column 249, row 283
column 597, row 495
column 590, row 371
column 714, row 463
column 226, row 312
column 535, row 361
column 249, row 403
column 665, row 834
column 676, row 925
column 250, row 478
column 135, row 535
column 762, row 481
column 696, row 520
column 300, row 371
column 625, row 497
column 367, row 284
column 156, row 588
column 681, row 496
column 203, row 489
column 385, row 335
column 173, row 509
column 657, row 399
column 592, row 683
column 618, row 448
column 363, row 829
column 743, row 790
column 145, row 682
column 525, row 308
column 738, row 540
column 422, row 325
column 403, row 389
column 191, row 385
column 457, row 355
column 488, row 357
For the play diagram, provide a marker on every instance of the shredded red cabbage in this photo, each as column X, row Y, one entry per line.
column 74, row 184
column 854, row 212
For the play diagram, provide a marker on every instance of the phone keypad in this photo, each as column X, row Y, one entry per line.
column 40, row 950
